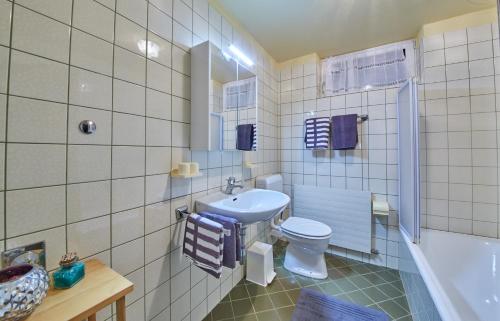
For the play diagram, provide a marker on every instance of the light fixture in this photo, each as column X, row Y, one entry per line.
column 241, row 55
column 226, row 56
column 153, row 50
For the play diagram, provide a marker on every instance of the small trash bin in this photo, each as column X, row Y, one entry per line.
column 260, row 265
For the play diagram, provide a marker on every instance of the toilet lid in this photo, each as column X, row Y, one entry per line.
column 306, row 227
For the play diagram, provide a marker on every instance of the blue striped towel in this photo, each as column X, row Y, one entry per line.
column 254, row 142
column 317, row 133
column 232, row 243
column 316, row 306
column 204, row 244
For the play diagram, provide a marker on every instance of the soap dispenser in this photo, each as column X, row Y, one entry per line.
column 70, row 271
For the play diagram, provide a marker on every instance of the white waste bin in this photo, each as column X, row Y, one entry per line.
column 260, row 265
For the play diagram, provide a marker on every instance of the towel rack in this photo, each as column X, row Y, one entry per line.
column 183, row 212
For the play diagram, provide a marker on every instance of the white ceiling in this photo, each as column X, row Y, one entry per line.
column 292, row 28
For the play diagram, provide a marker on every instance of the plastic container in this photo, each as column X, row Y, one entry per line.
column 66, row 277
column 260, row 264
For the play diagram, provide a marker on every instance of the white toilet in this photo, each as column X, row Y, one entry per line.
column 308, row 239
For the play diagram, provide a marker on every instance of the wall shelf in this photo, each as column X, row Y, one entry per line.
column 175, row 173
column 250, row 165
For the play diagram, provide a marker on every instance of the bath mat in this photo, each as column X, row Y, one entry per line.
column 315, row 306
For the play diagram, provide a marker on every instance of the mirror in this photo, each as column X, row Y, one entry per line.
column 246, row 90
column 224, row 100
column 224, row 72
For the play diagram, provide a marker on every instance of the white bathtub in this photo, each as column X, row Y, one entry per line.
column 461, row 274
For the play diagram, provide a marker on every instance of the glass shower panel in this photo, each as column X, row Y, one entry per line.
column 409, row 173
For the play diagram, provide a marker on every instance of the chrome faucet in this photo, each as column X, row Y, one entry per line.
column 231, row 185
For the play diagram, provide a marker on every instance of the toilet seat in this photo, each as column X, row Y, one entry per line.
column 306, row 228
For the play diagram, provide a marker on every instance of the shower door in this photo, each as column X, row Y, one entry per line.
column 409, row 175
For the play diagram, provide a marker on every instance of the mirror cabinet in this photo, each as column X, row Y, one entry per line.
column 223, row 101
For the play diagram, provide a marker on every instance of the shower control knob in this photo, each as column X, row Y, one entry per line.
column 88, row 127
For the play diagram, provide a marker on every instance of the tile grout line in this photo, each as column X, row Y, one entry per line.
column 67, row 128
column 112, row 308
column 471, row 133
column 7, row 105
column 496, row 127
column 169, row 183
column 145, row 160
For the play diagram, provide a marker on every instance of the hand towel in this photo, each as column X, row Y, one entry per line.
column 254, row 139
column 316, row 306
column 244, row 137
column 344, row 131
column 317, row 133
column 204, row 244
column 232, row 243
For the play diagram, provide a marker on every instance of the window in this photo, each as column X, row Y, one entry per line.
column 378, row 67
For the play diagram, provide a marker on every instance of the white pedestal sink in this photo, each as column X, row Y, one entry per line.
column 248, row 207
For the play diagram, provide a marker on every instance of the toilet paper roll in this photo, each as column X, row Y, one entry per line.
column 184, row 168
column 194, row 168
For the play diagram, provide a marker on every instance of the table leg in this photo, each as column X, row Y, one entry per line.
column 92, row 318
column 120, row 309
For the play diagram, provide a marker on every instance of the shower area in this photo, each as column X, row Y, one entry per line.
column 448, row 135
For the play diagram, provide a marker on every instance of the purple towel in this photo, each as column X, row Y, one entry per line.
column 204, row 244
column 232, row 244
column 344, row 131
column 244, row 137
column 315, row 306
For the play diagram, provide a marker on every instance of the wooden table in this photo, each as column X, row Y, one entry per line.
column 101, row 287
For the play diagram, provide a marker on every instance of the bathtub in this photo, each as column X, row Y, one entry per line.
column 451, row 277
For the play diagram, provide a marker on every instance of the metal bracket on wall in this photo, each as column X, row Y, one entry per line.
column 87, row 127
column 182, row 212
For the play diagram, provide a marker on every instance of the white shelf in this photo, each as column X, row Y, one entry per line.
column 250, row 165
column 175, row 173
column 380, row 214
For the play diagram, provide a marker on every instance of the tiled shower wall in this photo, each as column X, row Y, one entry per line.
column 371, row 166
column 109, row 195
column 459, row 115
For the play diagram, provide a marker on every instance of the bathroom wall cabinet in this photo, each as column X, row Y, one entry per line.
column 223, row 95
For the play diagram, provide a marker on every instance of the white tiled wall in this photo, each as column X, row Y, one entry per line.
column 459, row 115
column 459, row 112
column 371, row 166
column 109, row 195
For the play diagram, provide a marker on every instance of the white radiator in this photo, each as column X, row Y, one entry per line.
column 348, row 213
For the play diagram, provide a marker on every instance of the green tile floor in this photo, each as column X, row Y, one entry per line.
column 349, row 280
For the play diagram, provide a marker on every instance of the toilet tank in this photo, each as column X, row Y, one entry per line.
column 271, row 182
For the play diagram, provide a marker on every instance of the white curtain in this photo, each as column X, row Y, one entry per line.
column 335, row 75
column 378, row 67
column 239, row 93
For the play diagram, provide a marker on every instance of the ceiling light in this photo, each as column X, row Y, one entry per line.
column 241, row 55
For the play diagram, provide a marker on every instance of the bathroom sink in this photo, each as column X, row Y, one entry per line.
column 248, row 207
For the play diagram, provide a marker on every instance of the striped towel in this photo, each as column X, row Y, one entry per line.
column 232, row 242
column 317, row 133
column 204, row 244
column 254, row 142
